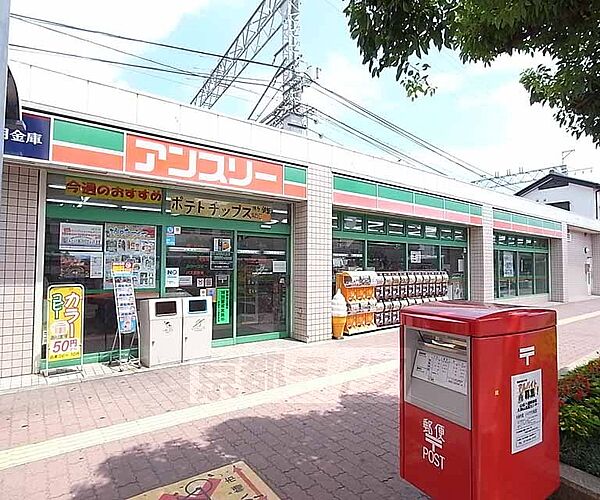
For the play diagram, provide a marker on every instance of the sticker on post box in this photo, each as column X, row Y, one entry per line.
column 526, row 396
column 444, row 371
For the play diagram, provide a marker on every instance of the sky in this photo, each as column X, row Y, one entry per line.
column 480, row 115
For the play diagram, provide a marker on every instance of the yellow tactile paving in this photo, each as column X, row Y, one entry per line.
column 21, row 455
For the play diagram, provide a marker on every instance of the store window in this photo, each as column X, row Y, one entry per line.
column 396, row 227
column 335, row 221
column 525, row 273
column 506, row 266
column 200, row 262
column 375, row 226
column 355, row 223
column 262, row 285
column 423, row 257
column 454, row 262
column 386, row 256
column 446, row 233
column 82, row 252
column 348, row 255
column 541, row 272
column 460, row 234
column 431, row 232
column 415, row 230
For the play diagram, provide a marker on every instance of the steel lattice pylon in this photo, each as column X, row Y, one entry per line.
column 268, row 18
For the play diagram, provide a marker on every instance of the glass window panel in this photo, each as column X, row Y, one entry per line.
column 525, row 273
column 335, row 221
column 541, row 273
column 190, row 253
column 386, row 256
column 423, row 257
column 348, row 255
column 415, row 230
column 396, row 228
column 454, row 262
column 460, row 234
column 506, row 272
column 446, row 233
column 354, row 223
column 528, row 242
column 262, row 277
column 520, row 241
column 502, row 239
column 511, row 240
column 376, row 226
column 431, row 231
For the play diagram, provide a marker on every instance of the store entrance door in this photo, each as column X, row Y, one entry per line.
column 262, row 287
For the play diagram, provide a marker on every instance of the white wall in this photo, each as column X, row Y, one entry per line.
column 576, row 259
column 582, row 198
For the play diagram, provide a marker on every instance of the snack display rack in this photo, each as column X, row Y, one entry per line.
column 374, row 299
column 358, row 288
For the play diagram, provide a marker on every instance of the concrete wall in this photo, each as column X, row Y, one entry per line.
column 582, row 198
column 576, row 259
column 481, row 255
column 18, row 242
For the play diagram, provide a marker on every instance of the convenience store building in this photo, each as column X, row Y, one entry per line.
column 257, row 218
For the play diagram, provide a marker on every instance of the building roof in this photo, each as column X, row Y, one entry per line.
column 554, row 177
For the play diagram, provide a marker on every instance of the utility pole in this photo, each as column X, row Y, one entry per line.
column 4, row 17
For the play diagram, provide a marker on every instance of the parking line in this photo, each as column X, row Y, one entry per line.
column 25, row 454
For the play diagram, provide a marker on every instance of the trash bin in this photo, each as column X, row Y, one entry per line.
column 160, row 331
column 197, row 327
column 479, row 402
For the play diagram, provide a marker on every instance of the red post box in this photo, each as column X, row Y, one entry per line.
column 479, row 401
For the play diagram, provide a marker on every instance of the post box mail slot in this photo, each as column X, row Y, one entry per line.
column 479, row 402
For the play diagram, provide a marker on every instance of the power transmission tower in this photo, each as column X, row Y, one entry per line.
column 270, row 17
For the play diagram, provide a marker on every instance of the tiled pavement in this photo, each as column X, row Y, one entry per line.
column 334, row 440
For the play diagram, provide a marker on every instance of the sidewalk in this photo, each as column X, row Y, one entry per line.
column 313, row 420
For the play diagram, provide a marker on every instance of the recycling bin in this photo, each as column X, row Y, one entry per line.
column 160, row 331
column 197, row 327
column 479, row 401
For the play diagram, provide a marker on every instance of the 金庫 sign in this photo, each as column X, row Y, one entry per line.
column 179, row 162
column 184, row 204
column 64, row 322
column 33, row 142
column 114, row 191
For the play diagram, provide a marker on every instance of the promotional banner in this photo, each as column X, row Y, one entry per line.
column 185, row 204
column 114, row 191
column 64, row 322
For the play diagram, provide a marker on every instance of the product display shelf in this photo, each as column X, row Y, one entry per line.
column 358, row 288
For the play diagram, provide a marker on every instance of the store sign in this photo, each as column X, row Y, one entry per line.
column 80, row 237
column 33, row 142
column 183, row 204
column 221, row 261
column 114, row 191
column 65, row 322
column 179, row 162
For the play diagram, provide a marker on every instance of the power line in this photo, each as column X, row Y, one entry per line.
column 37, row 20
column 247, row 81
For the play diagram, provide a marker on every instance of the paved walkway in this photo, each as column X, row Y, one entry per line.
column 314, row 421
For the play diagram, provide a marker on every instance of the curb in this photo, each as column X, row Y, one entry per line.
column 580, row 362
column 576, row 484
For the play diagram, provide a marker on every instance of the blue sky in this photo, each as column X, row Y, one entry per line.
column 481, row 115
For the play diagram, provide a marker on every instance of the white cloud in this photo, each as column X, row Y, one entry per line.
column 150, row 19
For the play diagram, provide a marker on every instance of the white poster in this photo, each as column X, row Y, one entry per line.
column 171, row 277
column 526, row 397
column 80, row 237
column 415, row 256
column 279, row 266
column 185, row 280
column 508, row 270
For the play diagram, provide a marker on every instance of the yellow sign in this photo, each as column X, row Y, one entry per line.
column 114, row 191
column 184, row 204
column 236, row 481
column 65, row 322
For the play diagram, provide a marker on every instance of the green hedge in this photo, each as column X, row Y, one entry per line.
column 579, row 398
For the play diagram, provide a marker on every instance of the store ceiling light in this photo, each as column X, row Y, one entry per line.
column 57, row 186
column 57, row 200
column 144, row 209
column 98, row 204
column 276, row 211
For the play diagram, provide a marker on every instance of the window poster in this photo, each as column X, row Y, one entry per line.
column 80, row 237
column 134, row 245
column 81, row 265
column 508, row 269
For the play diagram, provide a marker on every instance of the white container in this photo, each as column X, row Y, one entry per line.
column 160, row 331
column 197, row 327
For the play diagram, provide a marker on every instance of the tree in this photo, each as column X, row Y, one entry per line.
column 399, row 33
